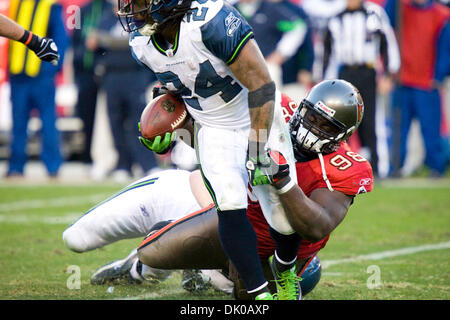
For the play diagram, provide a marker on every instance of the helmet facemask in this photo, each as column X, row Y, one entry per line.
column 150, row 16
column 313, row 131
column 134, row 15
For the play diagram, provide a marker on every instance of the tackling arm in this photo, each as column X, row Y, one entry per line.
column 251, row 70
column 317, row 216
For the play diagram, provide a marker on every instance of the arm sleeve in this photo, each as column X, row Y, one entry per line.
column 443, row 54
column 391, row 54
column 330, row 64
column 226, row 34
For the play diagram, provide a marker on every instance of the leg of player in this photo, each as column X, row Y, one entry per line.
column 131, row 213
column 287, row 242
column 114, row 219
column 283, row 265
column 131, row 268
column 220, row 152
column 192, row 242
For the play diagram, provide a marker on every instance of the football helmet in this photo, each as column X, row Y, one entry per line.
column 311, row 276
column 330, row 113
column 148, row 16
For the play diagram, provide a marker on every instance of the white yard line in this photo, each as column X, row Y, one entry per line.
column 327, row 263
column 388, row 254
column 414, row 183
column 35, row 218
column 51, row 202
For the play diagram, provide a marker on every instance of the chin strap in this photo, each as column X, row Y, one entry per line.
column 148, row 29
column 324, row 173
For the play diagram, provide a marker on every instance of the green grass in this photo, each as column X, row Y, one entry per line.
column 34, row 263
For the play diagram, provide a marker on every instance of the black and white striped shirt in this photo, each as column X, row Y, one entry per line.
column 359, row 37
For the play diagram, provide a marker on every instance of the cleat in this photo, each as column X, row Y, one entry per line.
column 264, row 296
column 195, row 281
column 116, row 271
column 287, row 282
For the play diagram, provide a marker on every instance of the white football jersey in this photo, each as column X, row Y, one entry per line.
column 132, row 211
column 196, row 66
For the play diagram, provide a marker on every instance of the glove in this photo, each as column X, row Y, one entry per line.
column 267, row 168
column 158, row 146
column 45, row 48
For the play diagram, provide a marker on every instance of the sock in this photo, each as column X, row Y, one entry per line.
column 149, row 273
column 286, row 249
column 141, row 272
column 135, row 270
column 239, row 242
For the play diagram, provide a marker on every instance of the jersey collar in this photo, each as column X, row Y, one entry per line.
column 160, row 48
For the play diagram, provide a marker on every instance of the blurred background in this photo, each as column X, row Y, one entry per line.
column 396, row 52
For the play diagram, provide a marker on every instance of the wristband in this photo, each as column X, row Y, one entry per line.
column 286, row 187
column 26, row 38
column 30, row 40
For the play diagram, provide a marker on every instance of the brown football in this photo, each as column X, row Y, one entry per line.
column 165, row 113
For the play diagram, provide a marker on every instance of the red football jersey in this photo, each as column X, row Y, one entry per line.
column 347, row 171
column 420, row 29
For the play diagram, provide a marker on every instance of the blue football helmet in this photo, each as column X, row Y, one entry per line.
column 150, row 15
column 311, row 276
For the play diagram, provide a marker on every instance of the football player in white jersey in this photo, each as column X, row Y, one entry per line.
column 203, row 51
column 133, row 212
column 183, row 243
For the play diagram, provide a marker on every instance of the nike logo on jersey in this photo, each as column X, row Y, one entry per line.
column 361, row 190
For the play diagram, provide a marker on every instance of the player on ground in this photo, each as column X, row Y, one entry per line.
column 45, row 48
column 344, row 171
column 204, row 51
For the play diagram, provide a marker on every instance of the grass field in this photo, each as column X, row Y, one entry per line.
column 363, row 259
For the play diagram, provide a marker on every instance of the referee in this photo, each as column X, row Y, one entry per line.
column 355, row 40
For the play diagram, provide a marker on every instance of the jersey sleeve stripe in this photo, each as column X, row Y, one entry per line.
column 239, row 47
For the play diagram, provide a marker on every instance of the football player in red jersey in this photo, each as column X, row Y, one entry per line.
column 329, row 174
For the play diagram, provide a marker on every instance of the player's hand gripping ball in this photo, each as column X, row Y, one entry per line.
column 159, row 120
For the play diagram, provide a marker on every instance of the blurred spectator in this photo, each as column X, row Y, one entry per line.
column 355, row 40
column 442, row 71
column 424, row 41
column 125, row 83
column 279, row 31
column 319, row 12
column 297, row 71
column 85, row 78
column 33, row 84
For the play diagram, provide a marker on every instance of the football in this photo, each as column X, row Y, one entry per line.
column 165, row 113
